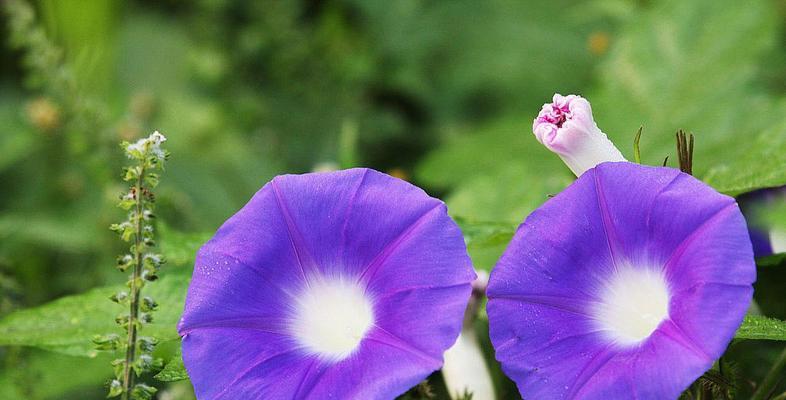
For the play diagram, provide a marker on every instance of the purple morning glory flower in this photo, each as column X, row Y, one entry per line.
column 339, row 285
column 627, row 285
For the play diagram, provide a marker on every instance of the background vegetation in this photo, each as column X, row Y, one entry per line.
column 440, row 93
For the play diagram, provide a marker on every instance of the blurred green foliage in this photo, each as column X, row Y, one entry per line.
column 442, row 93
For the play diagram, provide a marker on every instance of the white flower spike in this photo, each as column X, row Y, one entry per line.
column 150, row 144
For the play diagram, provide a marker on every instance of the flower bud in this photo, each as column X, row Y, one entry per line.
column 465, row 369
column 122, row 320
column 106, row 342
column 119, row 297
column 147, row 344
column 567, row 128
column 154, row 259
column 148, row 304
column 115, row 388
column 144, row 362
column 149, row 274
column 143, row 392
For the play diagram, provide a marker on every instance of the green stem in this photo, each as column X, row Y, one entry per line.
column 772, row 378
column 128, row 376
column 636, row 148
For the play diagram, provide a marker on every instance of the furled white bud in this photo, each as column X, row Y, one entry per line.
column 465, row 369
column 566, row 127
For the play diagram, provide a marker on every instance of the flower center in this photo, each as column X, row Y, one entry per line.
column 557, row 116
column 632, row 304
column 332, row 317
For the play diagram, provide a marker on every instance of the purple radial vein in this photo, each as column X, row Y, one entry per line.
column 688, row 241
column 594, row 365
column 556, row 302
column 250, row 322
column 313, row 374
column 672, row 330
column 248, row 370
column 607, row 223
column 368, row 272
column 350, row 207
column 380, row 335
column 292, row 230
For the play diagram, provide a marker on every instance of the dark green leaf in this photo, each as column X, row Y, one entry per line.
column 179, row 248
column 68, row 325
column 485, row 234
column 676, row 66
column 775, row 260
column 759, row 162
column 761, row 328
column 499, row 173
column 47, row 375
column 174, row 370
column 57, row 231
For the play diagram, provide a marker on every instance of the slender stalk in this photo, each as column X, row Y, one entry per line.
column 636, row 146
column 773, row 377
column 128, row 376
column 147, row 156
column 685, row 151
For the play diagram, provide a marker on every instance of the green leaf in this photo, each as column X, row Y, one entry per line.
column 478, row 63
column 673, row 65
column 496, row 171
column 67, row 325
column 18, row 141
column 485, row 234
column 758, row 163
column 485, row 240
column 774, row 260
column 147, row 43
column 174, row 370
column 761, row 328
column 678, row 65
column 499, row 173
column 179, row 248
column 47, row 375
column 65, row 232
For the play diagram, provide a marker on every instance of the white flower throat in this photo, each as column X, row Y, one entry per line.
column 332, row 316
column 632, row 304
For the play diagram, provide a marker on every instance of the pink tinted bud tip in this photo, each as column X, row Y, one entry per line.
column 566, row 127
